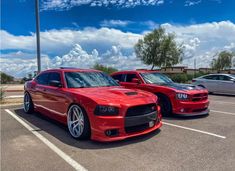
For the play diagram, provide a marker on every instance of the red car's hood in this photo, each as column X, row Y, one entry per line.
column 182, row 87
column 116, row 94
column 185, row 87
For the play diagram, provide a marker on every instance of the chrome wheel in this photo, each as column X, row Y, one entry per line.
column 75, row 120
column 26, row 102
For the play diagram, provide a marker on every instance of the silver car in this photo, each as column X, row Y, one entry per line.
column 217, row 83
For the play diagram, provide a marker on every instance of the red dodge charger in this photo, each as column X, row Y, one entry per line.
column 92, row 104
column 180, row 99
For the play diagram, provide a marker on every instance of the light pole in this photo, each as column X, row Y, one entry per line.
column 195, row 67
column 38, row 35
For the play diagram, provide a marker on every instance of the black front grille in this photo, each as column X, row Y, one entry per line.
column 199, row 97
column 137, row 128
column 199, row 110
column 141, row 110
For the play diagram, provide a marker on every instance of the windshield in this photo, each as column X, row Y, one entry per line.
column 233, row 75
column 88, row 79
column 156, row 78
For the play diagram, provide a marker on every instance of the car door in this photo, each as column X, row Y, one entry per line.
column 38, row 92
column 226, row 84
column 210, row 82
column 56, row 97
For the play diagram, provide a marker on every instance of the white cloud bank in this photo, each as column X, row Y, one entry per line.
column 61, row 41
column 112, row 47
column 67, row 4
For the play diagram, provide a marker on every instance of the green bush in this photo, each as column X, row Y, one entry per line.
column 5, row 79
column 179, row 78
column 184, row 78
column 2, row 93
column 106, row 69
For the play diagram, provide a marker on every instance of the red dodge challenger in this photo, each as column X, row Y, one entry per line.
column 92, row 104
column 180, row 99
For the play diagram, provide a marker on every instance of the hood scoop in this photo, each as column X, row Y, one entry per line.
column 131, row 93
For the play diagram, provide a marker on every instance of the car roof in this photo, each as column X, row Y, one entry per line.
column 218, row 74
column 135, row 71
column 67, row 69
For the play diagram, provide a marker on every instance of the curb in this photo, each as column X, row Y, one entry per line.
column 14, row 90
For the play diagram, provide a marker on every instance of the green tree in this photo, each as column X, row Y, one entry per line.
column 223, row 61
column 105, row 69
column 159, row 49
column 6, row 78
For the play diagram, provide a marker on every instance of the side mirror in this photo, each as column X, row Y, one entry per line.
column 135, row 80
column 117, row 81
column 55, row 83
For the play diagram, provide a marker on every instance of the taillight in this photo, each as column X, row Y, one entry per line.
column 193, row 80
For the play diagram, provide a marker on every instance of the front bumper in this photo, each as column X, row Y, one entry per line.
column 189, row 108
column 205, row 112
column 126, row 126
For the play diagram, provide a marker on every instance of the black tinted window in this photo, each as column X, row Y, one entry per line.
column 117, row 77
column 42, row 79
column 225, row 78
column 129, row 77
column 54, row 76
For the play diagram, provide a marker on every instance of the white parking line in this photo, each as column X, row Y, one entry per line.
column 227, row 113
column 54, row 148
column 195, row 130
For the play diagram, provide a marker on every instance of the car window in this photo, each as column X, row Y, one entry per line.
column 129, row 77
column 54, row 76
column 156, row 78
column 210, row 77
column 42, row 79
column 89, row 79
column 118, row 77
column 224, row 78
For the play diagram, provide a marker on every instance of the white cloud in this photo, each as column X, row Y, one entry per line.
column 112, row 47
column 114, row 23
column 189, row 3
column 9, row 41
column 113, row 57
column 192, row 2
column 67, row 4
column 20, row 64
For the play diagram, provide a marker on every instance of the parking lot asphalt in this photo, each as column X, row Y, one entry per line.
column 198, row 143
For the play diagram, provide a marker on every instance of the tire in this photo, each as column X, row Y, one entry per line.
column 28, row 103
column 165, row 104
column 78, row 122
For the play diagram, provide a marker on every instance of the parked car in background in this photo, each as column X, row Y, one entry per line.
column 217, row 83
column 92, row 104
column 174, row 98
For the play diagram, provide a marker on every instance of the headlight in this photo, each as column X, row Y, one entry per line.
column 106, row 110
column 181, row 96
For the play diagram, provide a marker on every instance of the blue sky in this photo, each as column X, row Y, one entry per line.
column 105, row 31
column 18, row 15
